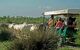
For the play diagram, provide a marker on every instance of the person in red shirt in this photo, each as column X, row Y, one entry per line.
column 59, row 24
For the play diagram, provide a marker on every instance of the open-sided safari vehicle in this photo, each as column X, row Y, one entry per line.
column 66, row 35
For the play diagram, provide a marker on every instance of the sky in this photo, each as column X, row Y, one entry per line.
column 34, row 8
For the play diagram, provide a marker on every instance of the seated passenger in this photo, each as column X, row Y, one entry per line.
column 71, row 22
column 71, row 25
column 59, row 24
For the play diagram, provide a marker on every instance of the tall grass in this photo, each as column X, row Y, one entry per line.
column 6, row 34
column 35, row 41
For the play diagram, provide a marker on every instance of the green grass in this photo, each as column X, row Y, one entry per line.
column 8, row 44
column 69, row 48
column 4, row 45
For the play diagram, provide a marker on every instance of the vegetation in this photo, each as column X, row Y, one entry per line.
column 20, row 19
column 25, row 40
column 35, row 41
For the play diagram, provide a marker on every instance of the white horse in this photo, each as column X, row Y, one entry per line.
column 19, row 26
column 10, row 25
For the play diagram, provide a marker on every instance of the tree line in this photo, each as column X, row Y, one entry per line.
column 21, row 19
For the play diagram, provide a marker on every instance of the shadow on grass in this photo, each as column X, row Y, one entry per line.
column 5, row 35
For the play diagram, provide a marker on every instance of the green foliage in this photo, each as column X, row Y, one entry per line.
column 5, row 45
column 20, row 19
column 30, row 40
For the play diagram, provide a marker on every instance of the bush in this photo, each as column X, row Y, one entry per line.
column 5, row 34
column 36, row 41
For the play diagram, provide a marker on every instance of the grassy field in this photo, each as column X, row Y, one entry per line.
column 4, row 45
column 26, row 38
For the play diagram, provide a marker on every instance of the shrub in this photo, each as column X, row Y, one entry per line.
column 5, row 34
column 36, row 41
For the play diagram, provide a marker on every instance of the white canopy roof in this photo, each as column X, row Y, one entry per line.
column 65, row 11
